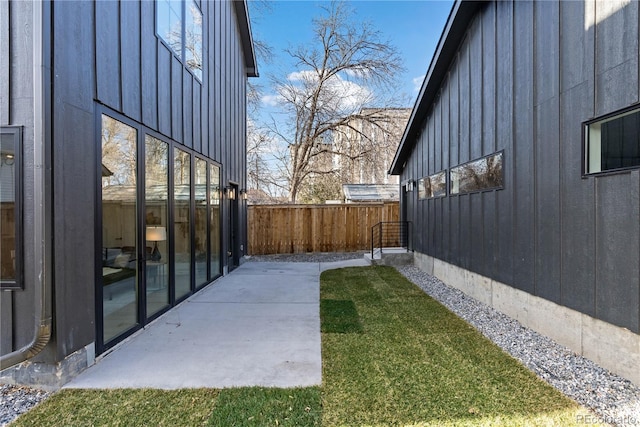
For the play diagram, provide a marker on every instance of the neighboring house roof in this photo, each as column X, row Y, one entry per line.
column 454, row 31
column 370, row 192
column 247, row 39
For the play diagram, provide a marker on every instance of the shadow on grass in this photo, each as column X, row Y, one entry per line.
column 339, row 317
column 418, row 364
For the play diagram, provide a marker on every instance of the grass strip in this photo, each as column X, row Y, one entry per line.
column 392, row 356
column 414, row 363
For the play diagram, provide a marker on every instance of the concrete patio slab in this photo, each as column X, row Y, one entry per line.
column 257, row 326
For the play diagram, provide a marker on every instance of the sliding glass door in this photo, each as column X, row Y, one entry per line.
column 156, row 220
column 119, row 228
column 159, row 225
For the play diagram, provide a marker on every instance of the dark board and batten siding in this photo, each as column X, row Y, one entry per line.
column 524, row 78
column 112, row 56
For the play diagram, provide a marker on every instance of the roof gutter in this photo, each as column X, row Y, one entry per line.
column 454, row 31
column 42, row 297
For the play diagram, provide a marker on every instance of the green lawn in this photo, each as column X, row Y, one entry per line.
column 392, row 356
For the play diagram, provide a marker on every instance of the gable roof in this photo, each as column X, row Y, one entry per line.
column 454, row 31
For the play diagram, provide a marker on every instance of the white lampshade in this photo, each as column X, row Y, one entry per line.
column 156, row 234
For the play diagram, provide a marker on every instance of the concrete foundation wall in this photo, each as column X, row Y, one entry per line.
column 612, row 347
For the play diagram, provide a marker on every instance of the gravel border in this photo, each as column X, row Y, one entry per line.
column 613, row 399
column 16, row 400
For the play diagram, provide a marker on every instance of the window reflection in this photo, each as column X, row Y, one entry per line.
column 201, row 221
column 193, row 39
column 182, row 222
column 156, row 220
column 214, row 220
column 433, row 186
column 179, row 24
column 482, row 174
column 9, row 207
column 119, row 247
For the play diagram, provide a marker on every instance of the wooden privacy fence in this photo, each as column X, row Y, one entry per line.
column 282, row 229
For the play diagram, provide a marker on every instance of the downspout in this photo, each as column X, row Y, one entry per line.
column 42, row 306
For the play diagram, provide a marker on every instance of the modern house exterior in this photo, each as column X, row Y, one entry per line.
column 520, row 169
column 123, row 127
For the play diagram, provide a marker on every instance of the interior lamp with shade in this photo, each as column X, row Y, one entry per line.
column 156, row 234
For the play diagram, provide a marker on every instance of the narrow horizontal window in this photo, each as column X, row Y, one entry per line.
column 10, row 207
column 613, row 143
column 478, row 175
column 433, row 186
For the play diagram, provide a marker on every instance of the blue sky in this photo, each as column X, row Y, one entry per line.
column 414, row 27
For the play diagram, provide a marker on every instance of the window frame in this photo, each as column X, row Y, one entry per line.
column 17, row 132
column 481, row 190
column 182, row 55
column 586, row 146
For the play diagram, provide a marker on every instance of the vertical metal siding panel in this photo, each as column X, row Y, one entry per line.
column 464, row 104
column 454, row 150
column 548, row 254
column 73, row 175
column 149, row 59
column 6, row 323
column 578, row 214
column 165, row 58
column 108, row 62
column 176, row 100
column 443, row 250
column 187, row 109
column 576, row 105
column 547, row 150
column 4, row 67
column 504, row 140
column 437, row 135
column 546, row 45
column 218, row 85
column 618, row 251
column 616, row 55
column 476, row 75
column 433, row 167
column 130, row 33
column 476, row 222
column 489, row 89
column 523, row 230
column 464, row 118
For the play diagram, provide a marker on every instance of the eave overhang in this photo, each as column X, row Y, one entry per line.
column 246, row 38
column 462, row 13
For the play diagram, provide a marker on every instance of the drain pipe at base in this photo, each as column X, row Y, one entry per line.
column 41, row 239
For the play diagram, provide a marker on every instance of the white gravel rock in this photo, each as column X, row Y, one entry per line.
column 16, row 400
column 613, row 399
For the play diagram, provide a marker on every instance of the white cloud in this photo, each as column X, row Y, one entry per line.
column 417, row 83
column 339, row 94
column 271, row 100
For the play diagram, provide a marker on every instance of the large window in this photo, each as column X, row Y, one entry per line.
column 201, row 222
column 182, row 221
column 179, row 24
column 478, row 175
column 613, row 142
column 10, row 196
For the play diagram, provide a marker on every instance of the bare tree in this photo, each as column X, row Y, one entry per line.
column 348, row 68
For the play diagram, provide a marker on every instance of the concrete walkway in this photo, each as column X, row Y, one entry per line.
column 258, row 326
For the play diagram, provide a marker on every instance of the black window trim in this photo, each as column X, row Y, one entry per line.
column 585, row 144
column 181, row 56
column 17, row 132
column 484, row 190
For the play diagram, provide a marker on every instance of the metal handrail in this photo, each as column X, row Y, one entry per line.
column 390, row 234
